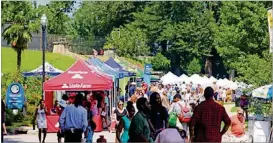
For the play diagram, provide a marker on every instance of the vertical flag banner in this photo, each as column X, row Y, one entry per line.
column 147, row 74
column 270, row 28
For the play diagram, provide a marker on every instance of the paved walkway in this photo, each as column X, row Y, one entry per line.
column 51, row 137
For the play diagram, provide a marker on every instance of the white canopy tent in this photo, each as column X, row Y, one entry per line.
column 184, row 78
column 169, row 78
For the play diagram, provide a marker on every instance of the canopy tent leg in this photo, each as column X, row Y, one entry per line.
column 124, row 86
column 111, row 100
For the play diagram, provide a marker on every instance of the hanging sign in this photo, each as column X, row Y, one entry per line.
column 15, row 96
column 147, row 74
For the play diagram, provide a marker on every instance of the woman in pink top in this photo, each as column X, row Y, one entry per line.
column 238, row 124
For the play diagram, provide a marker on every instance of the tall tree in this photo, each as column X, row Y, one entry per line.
column 100, row 18
column 59, row 22
column 128, row 42
column 243, row 33
column 20, row 21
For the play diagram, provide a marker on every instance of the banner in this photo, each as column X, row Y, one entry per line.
column 147, row 74
column 270, row 28
column 15, row 96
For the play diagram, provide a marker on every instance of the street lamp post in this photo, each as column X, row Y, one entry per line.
column 44, row 24
column 114, row 44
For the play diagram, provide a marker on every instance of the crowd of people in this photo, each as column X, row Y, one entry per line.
column 76, row 111
column 181, row 107
column 170, row 113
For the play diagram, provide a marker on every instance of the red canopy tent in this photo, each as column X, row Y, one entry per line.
column 79, row 77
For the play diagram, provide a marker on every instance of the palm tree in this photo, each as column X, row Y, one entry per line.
column 21, row 20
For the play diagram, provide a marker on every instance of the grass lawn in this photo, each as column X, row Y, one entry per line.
column 32, row 59
column 229, row 103
column 234, row 109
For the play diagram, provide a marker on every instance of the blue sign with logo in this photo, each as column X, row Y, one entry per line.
column 147, row 74
column 148, row 69
column 15, row 96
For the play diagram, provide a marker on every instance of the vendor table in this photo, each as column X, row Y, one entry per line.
column 52, row 121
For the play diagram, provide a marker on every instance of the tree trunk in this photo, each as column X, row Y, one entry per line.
column 19, row 52
column 208, row 67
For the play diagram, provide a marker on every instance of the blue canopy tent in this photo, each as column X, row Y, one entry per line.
column 49, row 70
column 107, row 69
column 100, row 71
column 113, row 64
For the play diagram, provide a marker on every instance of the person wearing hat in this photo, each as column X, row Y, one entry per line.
column 238, row 126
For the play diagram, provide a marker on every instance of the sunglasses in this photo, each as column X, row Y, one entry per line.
column 120, row 104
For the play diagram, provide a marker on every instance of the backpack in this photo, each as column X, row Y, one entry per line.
column 185, row 117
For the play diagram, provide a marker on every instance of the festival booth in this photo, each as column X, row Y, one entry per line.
column 106, row 69
column 49, row 70
column 169, row 78
column 127, row 74
column 113, row 64
column 79, row 77
column 184, row 78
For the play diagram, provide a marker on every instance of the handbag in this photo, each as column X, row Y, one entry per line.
column 172, row 119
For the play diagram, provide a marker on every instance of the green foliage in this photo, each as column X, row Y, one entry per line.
column 59, row 22
column 22, row 23
column 33, row 59
column 253, row 70
column 234, row 35
column 160, row 62
column 11, row 119
column 33, row 90
column 99, row 18
column 258, row 107
column 194, row 67
column 128, row 42
column 242, row 40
